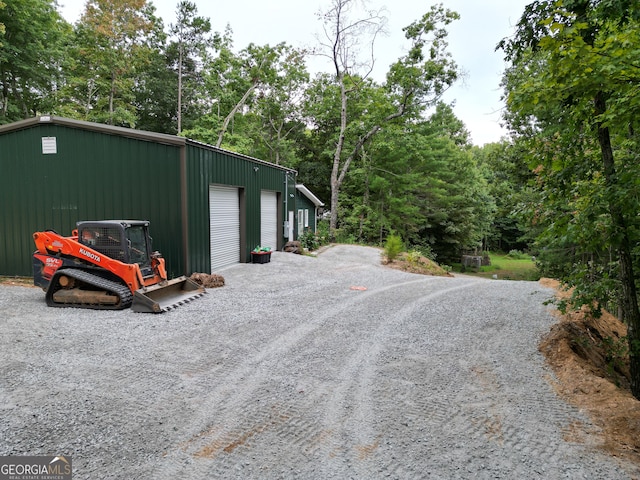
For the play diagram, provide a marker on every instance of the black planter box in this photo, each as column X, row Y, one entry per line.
column 260, row 257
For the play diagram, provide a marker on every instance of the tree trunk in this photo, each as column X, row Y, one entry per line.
column 336, row 178
column 112, row 94
column 365, row 201
column 629, row 298
column 333, row 219
column 180, row 88
column 228, row 118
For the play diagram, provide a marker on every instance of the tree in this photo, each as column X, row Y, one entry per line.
column 572, row 89
column 258, row 80
column 191, row 39
column 155, row 92
column 504, row 166
column 413, row 82
column 418, row 180
column 255, row 66
column 33, row 46
column 2, row 26
column 279, row 106
column 112, row 46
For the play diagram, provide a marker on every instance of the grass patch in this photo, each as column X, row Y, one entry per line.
column 505, row 267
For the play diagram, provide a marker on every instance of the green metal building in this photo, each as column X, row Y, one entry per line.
column 308, row 207
column 208, row 207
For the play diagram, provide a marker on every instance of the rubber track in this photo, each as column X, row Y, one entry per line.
column 122, row 291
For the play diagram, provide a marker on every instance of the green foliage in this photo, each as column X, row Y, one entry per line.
column 572, row 96
column 553, row 87
column 2, row 26
column 413, row 256
column 33, row 40
column 415, row 180
column 414, row 82
column 508, row 177
column 322, row 231
column 310, row 240
column 344, row 237
column 393, row 247
column 517, row 254
column 186, row 51
column 113, row 43
column 427, row 251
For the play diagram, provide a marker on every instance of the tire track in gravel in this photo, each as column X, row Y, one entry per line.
column 241, row 382
column 249, row 410
column 476, row 421
column 351, row 401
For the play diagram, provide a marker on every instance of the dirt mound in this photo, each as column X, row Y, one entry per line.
column 590, row 361
column 416, row 264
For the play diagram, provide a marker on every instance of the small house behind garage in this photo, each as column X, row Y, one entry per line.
column 208, row 207
column 307, row 205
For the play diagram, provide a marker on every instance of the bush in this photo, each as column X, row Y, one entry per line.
column 309, row 240
column 343, row 236
column 322, row 231
column 517, row 255
column 414, row 256
column 428, row 252
column 393, row 247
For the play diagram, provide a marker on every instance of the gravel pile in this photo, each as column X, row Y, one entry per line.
column 314, row 368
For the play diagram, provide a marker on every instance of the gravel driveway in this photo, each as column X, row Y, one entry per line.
column 294, row 370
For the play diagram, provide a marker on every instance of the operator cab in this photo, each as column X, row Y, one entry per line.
column 127, row 241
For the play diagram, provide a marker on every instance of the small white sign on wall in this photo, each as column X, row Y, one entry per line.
column 49, row 145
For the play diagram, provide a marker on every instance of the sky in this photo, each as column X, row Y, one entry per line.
column 476, row 98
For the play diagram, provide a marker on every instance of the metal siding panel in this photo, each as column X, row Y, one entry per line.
column 92, row 176
column 198, row 173
column 23, row 196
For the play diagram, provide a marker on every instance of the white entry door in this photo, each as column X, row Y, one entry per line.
column 269, row 219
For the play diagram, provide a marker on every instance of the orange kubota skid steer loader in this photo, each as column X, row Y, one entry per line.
column 107, row 265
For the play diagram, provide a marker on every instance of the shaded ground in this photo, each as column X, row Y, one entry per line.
column 592, row 373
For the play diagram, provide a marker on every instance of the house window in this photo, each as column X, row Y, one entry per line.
column 300, row 222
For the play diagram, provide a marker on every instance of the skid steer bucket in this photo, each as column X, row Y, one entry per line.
column 166, row 296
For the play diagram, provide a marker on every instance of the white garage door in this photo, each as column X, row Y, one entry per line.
column 269, row 219
column 224, row 221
